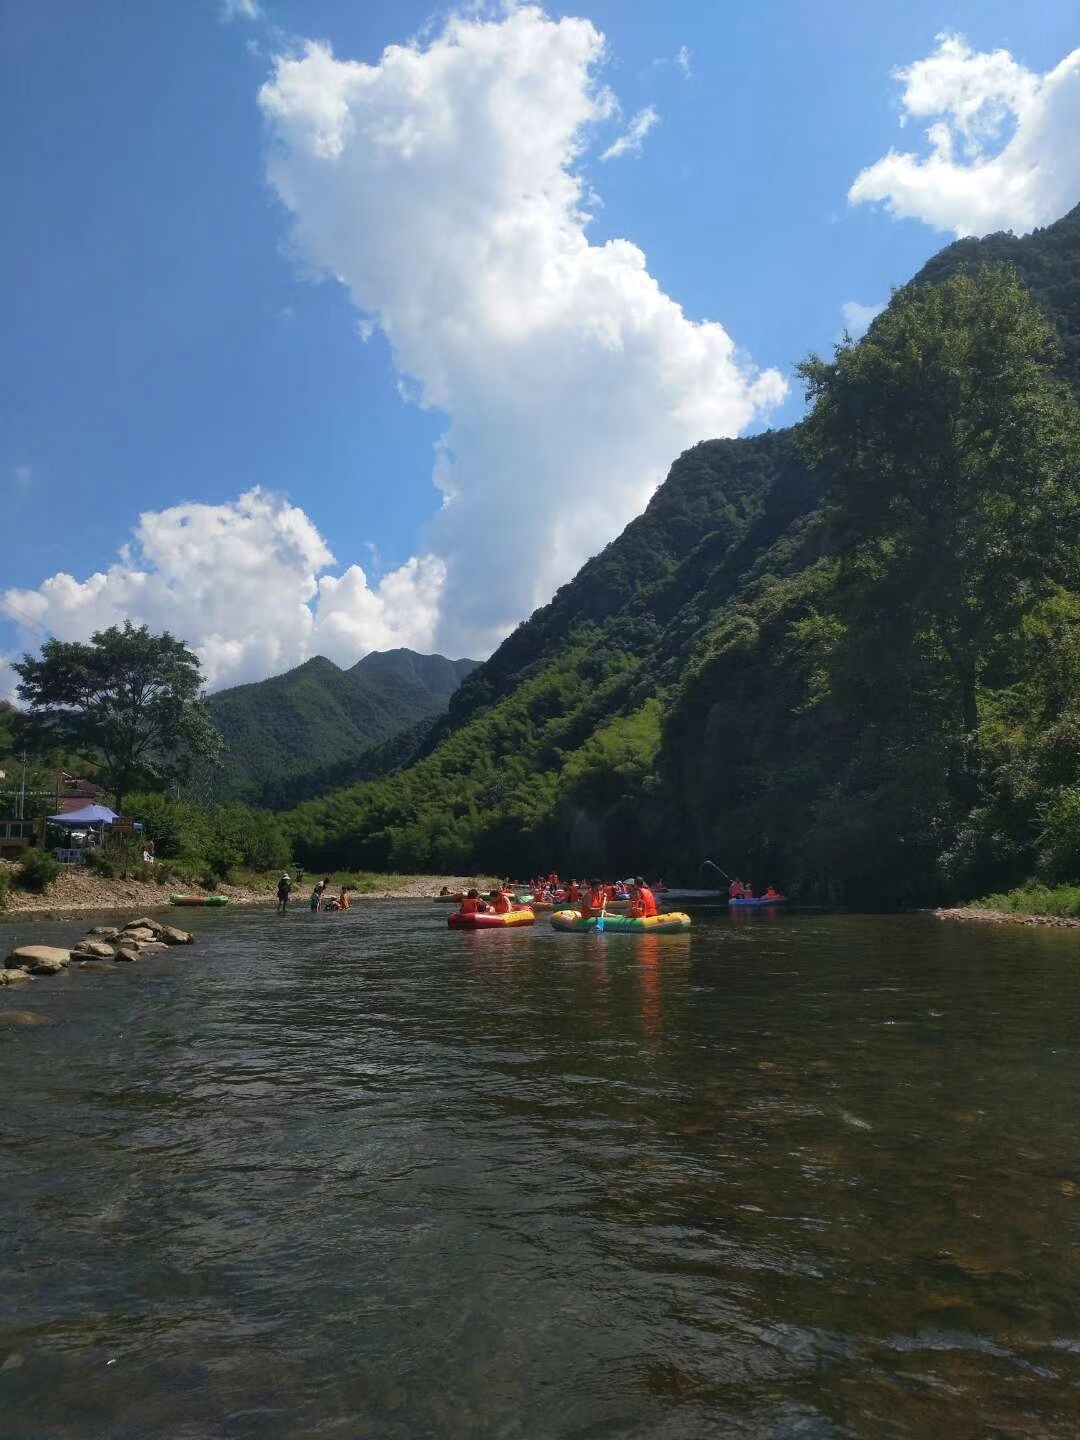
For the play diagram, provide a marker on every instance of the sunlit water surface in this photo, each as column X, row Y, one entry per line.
column 353, row 1175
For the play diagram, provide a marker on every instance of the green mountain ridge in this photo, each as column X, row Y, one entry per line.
column 664, row 708
column 317, row 726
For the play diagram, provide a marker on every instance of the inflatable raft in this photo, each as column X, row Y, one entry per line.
column 488, row 920
column 762, row 902
column 198, row 899
column 674, row 921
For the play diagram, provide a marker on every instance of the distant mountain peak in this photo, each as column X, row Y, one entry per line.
column 315, row 720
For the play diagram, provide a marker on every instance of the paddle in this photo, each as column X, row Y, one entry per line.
column 715, row 867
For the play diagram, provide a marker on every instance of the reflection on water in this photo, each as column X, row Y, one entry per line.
column 358, row 1175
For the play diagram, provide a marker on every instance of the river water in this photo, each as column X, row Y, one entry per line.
column 357, row 1176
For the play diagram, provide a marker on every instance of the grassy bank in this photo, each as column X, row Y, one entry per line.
column 397, row 887
column 1062, row 901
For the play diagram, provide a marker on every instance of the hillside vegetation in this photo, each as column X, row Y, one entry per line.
column 843, row 657
column 319, row 727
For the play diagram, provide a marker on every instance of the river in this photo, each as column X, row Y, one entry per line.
column 356, row 1176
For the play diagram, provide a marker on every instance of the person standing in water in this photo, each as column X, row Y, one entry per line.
column 284, row 889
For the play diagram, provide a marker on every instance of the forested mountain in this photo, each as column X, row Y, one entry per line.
column 843, row 657
column 319, row 727
column 1048, row 262
column 546, row 746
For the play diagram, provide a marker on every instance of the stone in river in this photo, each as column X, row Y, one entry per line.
column 145, row 923
column 137, row 935
column 38, row 959
column 127, row 953
column 105, row 932
column 172, row 936
column 47, row 966
column 94, row 949
column 21, row 1017
column 12, row 976
column 94, row 964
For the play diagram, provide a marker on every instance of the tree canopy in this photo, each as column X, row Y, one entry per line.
column 953, row 454
column 129, row 698
column 889, row 707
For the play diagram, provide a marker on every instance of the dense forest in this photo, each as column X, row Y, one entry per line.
column 318, row 727
column 844, row 656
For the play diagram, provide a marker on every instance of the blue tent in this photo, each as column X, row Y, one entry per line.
column 88, row 815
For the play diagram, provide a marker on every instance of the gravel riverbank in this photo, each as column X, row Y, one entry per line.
column 79, row 890
column 1007, row 917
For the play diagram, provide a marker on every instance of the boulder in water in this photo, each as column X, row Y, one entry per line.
column 94, row 949
column 38, row 959
column 145, row 923
column 172, row 936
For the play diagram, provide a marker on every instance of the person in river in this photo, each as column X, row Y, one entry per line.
column 501, row 904
column 471, row 904
column 343, row 899
column 284, row 888
column 644, row 901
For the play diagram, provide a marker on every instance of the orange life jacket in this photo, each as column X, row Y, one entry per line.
column 644, row 902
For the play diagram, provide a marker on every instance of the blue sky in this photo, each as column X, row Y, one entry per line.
column 180, row 374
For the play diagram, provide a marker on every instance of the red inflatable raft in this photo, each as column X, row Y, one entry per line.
column 489, row 920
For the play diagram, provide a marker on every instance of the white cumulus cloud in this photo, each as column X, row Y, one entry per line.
column 857, row 317
column 442, row 186
column 1003, row 150
column 244, row 584
column 630, row 142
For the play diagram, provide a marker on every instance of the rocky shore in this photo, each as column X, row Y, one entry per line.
column 81, row 890
column 101, row 946
column 1006, row 917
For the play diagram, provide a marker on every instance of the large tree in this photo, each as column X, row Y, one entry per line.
column 955, row 463
column 127, row 697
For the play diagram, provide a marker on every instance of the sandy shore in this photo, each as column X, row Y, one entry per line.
column 1006, row 917
column 79, row 890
